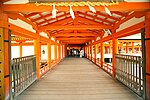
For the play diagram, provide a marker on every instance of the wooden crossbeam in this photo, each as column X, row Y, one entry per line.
column 123, row 6
column 75, row 27
column 77, row 34
column 75, row 38
column 16, row 15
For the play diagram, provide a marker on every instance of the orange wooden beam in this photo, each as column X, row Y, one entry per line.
column 12, row 15
column 135, row 29
column 88, row 20
column 123, row 6
column 77, row 34
column 107, row 16
column 49, row 19
column 75, row 27
column 30, row 43
column 130, row 30
column 129, row 16
column 75, row 38
column 25, row 33
column 104, row 20
column 60, row 21
column 31, row 14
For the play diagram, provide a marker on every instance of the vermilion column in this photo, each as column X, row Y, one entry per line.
column 107, row 49
column 102, row 53
column 147, row 31
column 115, row 51
column 95, row 52
column 127, row 50
column 37, row 52
column 49, row 54
column 59, row 53
column 55, row 53
column 91, row 48
column 88, row 51
column 132, row 47
column 20, row 49
column 4, row 57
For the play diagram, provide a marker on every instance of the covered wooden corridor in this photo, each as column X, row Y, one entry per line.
column 38, row 36
column 77, row 79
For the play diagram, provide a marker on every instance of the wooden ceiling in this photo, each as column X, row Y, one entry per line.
column 86, row 26
column 65, row 29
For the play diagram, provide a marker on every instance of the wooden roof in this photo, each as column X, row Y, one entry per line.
column 63, row 26
column 85, row 27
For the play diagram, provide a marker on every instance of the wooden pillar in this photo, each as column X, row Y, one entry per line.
column 132, row 47
column 5, row 57
column 85, row 51
column 37, row 52
column 91, row 52
column 20, row 49
column 95, row 53
column 107, row 49
column 49, row 54
column 63, row 51
column 55, row 52
column 115, row 51
column 102, row 53
column 127, row 50
column 147, row 42
column 59, row 53
column 2, row 89
column 88, row 52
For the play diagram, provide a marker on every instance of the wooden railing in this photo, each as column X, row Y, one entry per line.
column 107, row 67
column 22, row 74
column 129, row 71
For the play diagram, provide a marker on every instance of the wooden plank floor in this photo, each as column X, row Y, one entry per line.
column 77, row 79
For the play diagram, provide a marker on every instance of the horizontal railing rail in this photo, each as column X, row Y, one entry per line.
column 129, row 71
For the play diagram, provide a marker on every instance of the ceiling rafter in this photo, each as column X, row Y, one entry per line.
column 103, row 20
column 31, row 14
column 88, row 20
column 119, row 13
column 52, row 20
column 107, row 16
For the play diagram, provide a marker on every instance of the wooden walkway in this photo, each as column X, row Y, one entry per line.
column 77, row 79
